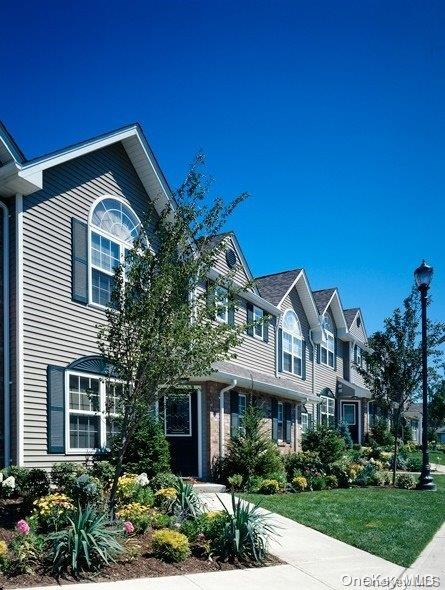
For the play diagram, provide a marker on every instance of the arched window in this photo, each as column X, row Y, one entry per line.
column 328, row 342
column 292, row 344
column 113, row 230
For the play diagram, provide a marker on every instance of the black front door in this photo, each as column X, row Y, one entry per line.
column 181, row 429
column 350, row 416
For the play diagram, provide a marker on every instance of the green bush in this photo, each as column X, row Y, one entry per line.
column 414, row 463
column 269, row 486
column 341, row 470
column 159, row 520
column 318, row 483
column 86, row 489
column 235, row 482
column 170, row 546
column 302, row 463
column 382, row 478
column 345, row 433
column 25, row 555
column 86, row 545
column 331, row 482
column 367, row 476
column 163, row 480
column 19, row 474
column 325, row 441
column 381, row 433
column 103, row 471
column 252, row 452
column 37, row 484
column 299, row 483
column 138, row 514
column 148, row 450
column 63, row 475
column 406, row 481
column 242, row 533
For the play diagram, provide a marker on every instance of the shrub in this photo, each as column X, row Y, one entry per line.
column 381, row 434
column 159, row 520
column 253, row 483
column 19, row 474
column 103, row 471
column 86, row 490
column 127, row 487
column 252, row 452
column 37, row 484
column 406, row 481
column 170, row 546
column 86, row 545
column 345, row 433
column 235, row 482
column 366, row 476
column 299, row 483
column 269, row 486
column 52, row 512
column 25, row 554
column 204, row 524
column 148, row 450
column 400, row 462
column 144, row 495
column 302, row 463
column 63, row 475
column 383, row 478
column 242, row 533
column 165, row 498
column 138, row 514
column 414, row 463
column 187, row 503
column 163, row 480
column 331, row 482
column 318, row 483
column 325, row 441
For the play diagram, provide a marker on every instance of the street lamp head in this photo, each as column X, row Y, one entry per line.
column 423, row 275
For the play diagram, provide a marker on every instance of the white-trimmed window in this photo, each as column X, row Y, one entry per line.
column 304, row 422
column 113, row 230
column 93, row 406
column 222, row 304
column 258, row 330
column 358, row 359
column 280, row 421
column 327, row 410
column 292, row 344
column 327, row 347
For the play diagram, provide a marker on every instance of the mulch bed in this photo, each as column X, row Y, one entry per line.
column 144, row 565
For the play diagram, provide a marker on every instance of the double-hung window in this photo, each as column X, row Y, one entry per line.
column 358, row 356
column 292, row 344
column 93, row 406
column 328, row 343
column 113, row 229
column 327, row 410
column 222, row 304
column 258, row 330
column 304, row 422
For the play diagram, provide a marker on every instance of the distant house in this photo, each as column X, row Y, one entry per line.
column 66, row 219
column 441, row 434
column 413, row 416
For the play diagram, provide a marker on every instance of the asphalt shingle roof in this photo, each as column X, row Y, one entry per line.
column 322, row 298
column 350, row 315
column 274, row 287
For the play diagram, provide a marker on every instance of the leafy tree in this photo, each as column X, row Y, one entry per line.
column 436, row 407
column 161, row 329
column 394, row 368
column 326, row 441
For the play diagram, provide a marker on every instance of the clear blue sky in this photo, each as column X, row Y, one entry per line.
column 331, row 114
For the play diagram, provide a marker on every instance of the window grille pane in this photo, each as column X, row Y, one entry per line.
column 84, row 393
column 84, row 432
column 177, row 414
column 102, row 287
column 287, row 362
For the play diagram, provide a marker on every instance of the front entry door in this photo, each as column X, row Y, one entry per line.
column 180, row 413
column 350, row 416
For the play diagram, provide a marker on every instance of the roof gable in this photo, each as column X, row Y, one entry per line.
column 329, row 298
column 230, row 239
column 275, row 287
column 9, row 150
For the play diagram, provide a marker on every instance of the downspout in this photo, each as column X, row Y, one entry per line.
column 6, row 347
column 221, row 414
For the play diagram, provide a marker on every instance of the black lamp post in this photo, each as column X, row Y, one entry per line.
column 423, row 275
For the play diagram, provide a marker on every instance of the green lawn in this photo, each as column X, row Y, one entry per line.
column 394, row 524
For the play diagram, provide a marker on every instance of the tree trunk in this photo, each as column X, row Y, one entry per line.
column 396, row 446
column 126, row 433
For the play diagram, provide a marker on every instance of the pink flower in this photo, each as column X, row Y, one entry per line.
column 128, row 527
column 22, row 527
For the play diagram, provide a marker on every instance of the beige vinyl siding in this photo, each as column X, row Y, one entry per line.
column 58, row 330
column 357, row 331
column 239, row 273
column 293, row 301
column 12, row 326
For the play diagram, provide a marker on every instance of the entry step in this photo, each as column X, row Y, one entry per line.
column 209, row 488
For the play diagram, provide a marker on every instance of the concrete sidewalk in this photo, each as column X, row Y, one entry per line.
column 314, row 561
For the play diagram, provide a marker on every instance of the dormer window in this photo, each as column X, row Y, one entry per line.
column 292, row 344
column 328, row 343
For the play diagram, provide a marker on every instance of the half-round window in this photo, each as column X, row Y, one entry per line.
column 113, row 229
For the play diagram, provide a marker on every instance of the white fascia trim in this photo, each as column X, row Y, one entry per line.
column 351, row 338
column 242, row 258
column 342, row 329
column 6, row 343
column 278, row 390
column 20, row 393
column 314, row 322
column 248, row 295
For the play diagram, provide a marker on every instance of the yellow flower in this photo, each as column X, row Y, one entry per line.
column 3, row 548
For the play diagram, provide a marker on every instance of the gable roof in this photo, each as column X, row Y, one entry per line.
column 350, row 315
column 275, row 286
column 9, row 150
column 323, row 298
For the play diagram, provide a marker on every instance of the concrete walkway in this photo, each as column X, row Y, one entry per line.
column 314, row 561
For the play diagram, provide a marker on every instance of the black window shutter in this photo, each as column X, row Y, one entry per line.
column 288, row 422
column 303, row 360
column 231, row 310
column 56, row 409
column 274, row 404
column 249, row 308
column 266, row 328
column 79, row 255
column 234, row 414
column 318, row 353
column 280, row 349
column 335, row 353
